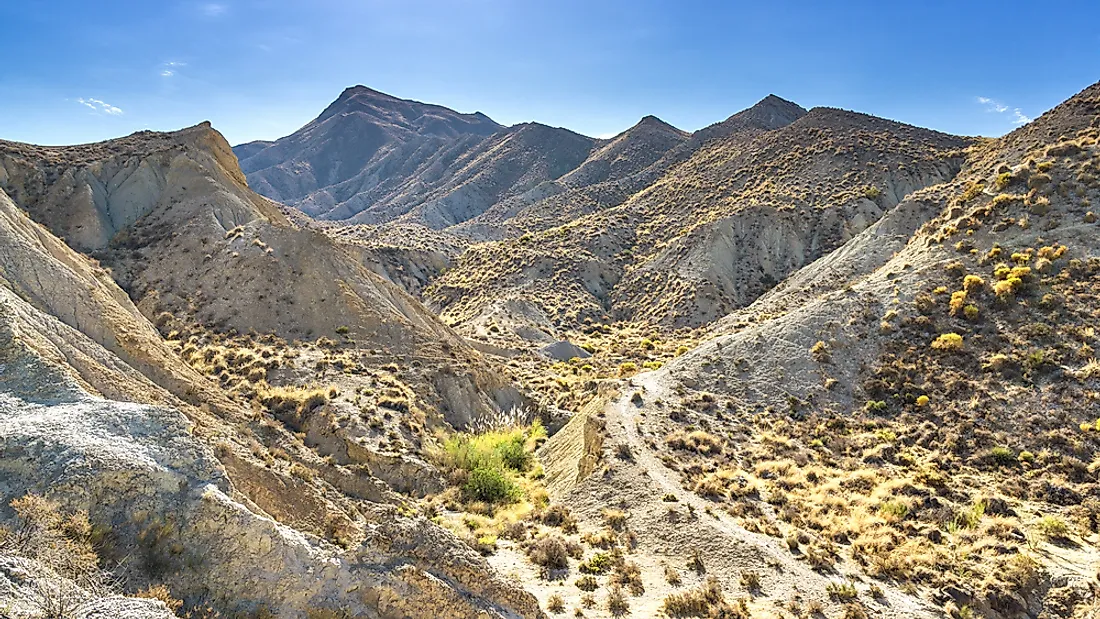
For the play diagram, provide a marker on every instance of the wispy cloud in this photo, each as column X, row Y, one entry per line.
column 168, row 69
column 100, row 106
column 992, row 105
column 212, row 9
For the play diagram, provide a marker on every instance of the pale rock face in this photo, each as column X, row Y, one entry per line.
column 137, row 469
column 23, row 580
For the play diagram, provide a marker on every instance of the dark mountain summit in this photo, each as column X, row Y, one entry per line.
column 362, row 131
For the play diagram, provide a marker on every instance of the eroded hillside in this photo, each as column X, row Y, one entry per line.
column 225, row 464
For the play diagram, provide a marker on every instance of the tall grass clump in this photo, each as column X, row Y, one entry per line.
column 490, row 462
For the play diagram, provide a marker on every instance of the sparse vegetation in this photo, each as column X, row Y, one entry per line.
column 1052, row 527
column 552, row 552
column 948, row 342
column 700, row 601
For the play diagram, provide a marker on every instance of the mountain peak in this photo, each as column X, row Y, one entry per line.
column 652, row 122
column 773, row 112
column 360, row 89
column 387, row 109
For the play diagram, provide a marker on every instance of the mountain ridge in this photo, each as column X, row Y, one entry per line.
column 377, row 176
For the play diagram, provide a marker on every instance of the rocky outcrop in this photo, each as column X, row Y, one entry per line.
column 27, row 587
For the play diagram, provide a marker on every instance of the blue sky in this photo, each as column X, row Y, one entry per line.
column 78, row 71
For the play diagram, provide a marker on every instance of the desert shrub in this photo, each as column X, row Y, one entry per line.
column 973, row 283
column 1005, row 289
column 616, row 601
column 969, row 517
column 958, row 301
column 587, row 583
column 1052, row 527
column 672, row 576
column 558, row 515
column 514, row 455
column 698, row 441
column 552, row 552
column 491, row 485
column 1003, row 456
column 397, row 403
column 893, row 511
column 1064, row 149
column 627, row 368
column 302, row 472
column 695, row 562
column 1021, row 571
column 291, row 404
column 973, row 190
column 515, row 530
column 948, row 342
column 1019, row 272
column 820, row 352
column 871, row 192
column 160, row 593
column 1038, row 181
column 1007, row 198
column 599, row 563
column 614, row 518
column 508, row 449
column 483, row 544
column 555, row 604
column 875, row 406
column 629, row 575
column 700, row 601
column 842, row 591
column 62, row 543
column 922, row 401
column 1004, row 179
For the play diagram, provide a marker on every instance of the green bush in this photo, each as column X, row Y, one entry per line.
column 1003, row 456
column 893, row 510
column 1053, row 527
column 501, row 449
column 491, row 485
column 514, row 455
column 599, row 563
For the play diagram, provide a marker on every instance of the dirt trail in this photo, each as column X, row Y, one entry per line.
column 727, row 547
column 623, row 414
